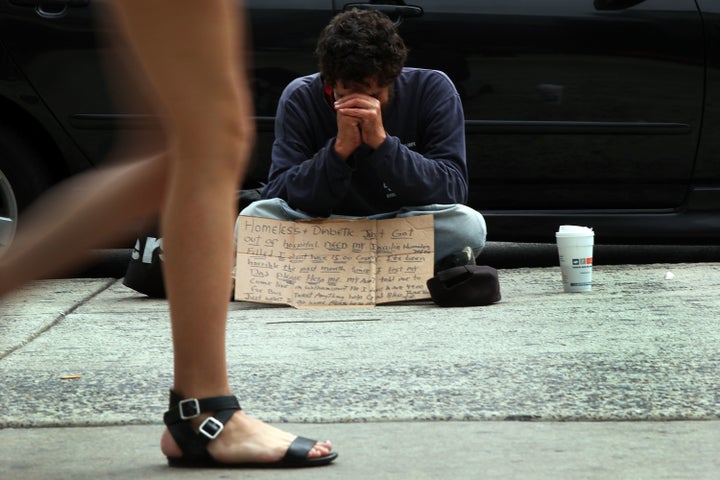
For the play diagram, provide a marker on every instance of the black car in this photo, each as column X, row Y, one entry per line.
column 602, row 113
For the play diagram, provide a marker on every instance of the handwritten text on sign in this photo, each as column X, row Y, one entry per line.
column 334, row 262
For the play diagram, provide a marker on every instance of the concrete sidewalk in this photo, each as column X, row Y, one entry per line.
column 621, row 382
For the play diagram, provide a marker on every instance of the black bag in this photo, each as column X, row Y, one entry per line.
column 145, row 272
column 465, row 286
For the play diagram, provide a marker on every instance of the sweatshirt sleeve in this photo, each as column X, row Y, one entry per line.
column 435, row 171
column 306, row 173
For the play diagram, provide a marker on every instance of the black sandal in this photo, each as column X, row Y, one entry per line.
column 194, row 444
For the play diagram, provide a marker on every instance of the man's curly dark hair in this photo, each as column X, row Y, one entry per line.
column 358, row 45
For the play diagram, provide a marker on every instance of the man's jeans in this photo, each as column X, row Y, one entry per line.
column 456, row 226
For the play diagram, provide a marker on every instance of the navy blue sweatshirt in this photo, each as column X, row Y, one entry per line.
column 421, row 162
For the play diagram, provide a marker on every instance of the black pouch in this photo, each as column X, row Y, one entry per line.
column 145, row 271
column 465, row 286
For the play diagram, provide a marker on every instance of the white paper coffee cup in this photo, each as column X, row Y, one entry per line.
column 575, row 249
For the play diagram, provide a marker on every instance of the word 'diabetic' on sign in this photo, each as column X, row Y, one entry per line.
column 334, row 262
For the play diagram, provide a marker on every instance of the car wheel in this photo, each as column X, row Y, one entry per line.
column 8, row 212
column 22, row 179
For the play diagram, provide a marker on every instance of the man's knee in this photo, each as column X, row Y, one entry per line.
column 473, row 223
column 267, row 208
column 457, row 227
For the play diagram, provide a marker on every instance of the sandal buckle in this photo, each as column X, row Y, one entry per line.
column 189, row 408
column 211, row 427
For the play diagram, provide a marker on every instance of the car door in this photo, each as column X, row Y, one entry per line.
column 79, row 68
column 570, row 104
column 55, row 49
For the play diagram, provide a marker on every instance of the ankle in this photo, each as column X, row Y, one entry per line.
column 200, row 391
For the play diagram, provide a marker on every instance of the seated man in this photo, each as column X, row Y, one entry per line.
column 366, row 137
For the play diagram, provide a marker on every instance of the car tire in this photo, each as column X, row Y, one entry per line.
column 23, row 177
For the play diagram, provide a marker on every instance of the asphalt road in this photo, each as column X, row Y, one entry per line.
column 112, row 263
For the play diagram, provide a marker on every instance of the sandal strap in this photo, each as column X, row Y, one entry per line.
column 189, row 408
column 298, row 450
column 192, row 443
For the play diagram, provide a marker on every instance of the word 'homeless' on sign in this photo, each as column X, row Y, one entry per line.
column 334, row 262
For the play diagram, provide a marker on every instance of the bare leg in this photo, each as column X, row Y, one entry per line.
column 191, row 59
column 196, row 184
column 59, row 230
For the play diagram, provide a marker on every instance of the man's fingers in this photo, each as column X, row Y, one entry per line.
column 348, row 119
column 358, row 101
column 352, row 115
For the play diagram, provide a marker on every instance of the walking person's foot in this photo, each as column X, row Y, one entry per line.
column 242, row 441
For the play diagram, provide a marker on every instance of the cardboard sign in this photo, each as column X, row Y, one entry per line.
column 334, row 262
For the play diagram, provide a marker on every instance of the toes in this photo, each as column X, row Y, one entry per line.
column 320, row 449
